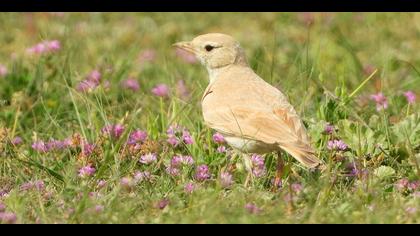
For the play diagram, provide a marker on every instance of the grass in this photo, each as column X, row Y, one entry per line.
column 324, row 62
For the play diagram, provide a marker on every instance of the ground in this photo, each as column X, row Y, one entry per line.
column 100, row 119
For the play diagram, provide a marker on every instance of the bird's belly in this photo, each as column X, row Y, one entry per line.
column 250, row 146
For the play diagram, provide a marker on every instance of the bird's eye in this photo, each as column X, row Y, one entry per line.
column 208, row 48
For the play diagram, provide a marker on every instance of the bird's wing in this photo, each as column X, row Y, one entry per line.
column 253, row 124
column 276, row 127
column 276, row 103
column 286, row 113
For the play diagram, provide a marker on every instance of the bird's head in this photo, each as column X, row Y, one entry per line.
column 215, row 50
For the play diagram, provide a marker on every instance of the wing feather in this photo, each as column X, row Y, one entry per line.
column 275, row 128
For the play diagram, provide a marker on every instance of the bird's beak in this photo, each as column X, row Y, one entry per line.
column 185, row 46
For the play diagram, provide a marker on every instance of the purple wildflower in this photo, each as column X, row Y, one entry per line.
column 39, row 185
column 118, row 130
column 90, row 83
column 17, row 141
column 173, row 130
column 45, row 47
column 173, row 171
column 137, row 136
column 172, row 140
column 2, row 207
column 186, row 137
column 88, row 149
column 53, row 46
column 161, row 90
column 402, row 184
column 86, row 171
column 177, row 133
column 258, row 166
column 413, row 185
column 410, row 96
column 329, row 129
column 148, row 158
column 131, row 84
column 37, row 49
column 202, row 173
column 59, row 144
column 218, row 138
column 140, row 176
column 226, row 179
column 162, row 203
column 189, row 188
column 380, row 100
column 337, row 145
column 26, row 186
column 66, row 143
column 297, row 188
column 99, row 208
column 86, row 86
column 3, row 70
column 176, row 161
column 4, row 193
column 187, row 160
column 252, row 208
column 352, row 169
column 39, row 146
column 115, row 131
column 127, row 182
column 54, row 145
column 8, row 217
column 221, row 149
column 51, row 144
column 101, row 184
column 94, row 76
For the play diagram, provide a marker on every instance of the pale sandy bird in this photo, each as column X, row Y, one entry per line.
column 254, row 116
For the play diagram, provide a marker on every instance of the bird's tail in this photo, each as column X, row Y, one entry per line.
column 305, row 155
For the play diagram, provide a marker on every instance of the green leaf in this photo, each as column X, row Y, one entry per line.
column 384, row 172
column 408, row 129
column 361, row 138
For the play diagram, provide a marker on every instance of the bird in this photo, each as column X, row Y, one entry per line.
column 251, row 114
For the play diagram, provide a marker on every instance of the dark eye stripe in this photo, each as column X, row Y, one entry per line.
column 208, row 48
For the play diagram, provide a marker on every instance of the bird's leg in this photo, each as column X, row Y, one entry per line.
column 279, row 172
column 248, row 178
column 248, row 167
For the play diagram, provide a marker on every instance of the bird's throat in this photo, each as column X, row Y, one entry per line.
column 213, row 74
